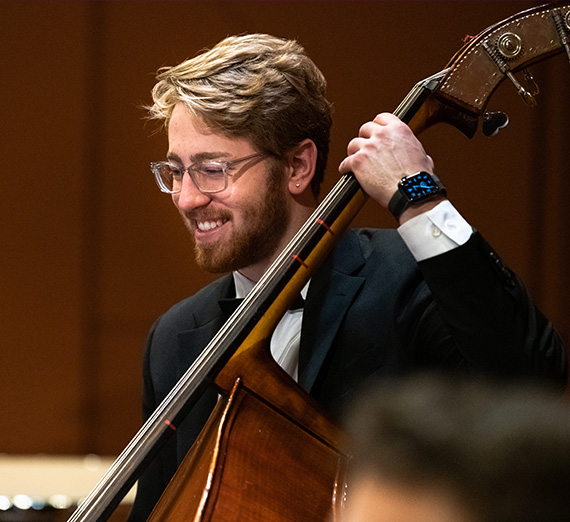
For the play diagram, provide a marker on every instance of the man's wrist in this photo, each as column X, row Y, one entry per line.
column 420, row 208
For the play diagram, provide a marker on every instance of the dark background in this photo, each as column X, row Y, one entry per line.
column 91, row 252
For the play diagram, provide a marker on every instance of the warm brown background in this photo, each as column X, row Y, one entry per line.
column 92, row 252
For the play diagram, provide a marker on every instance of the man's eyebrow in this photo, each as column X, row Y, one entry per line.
column 201, row 156
column 170, row 156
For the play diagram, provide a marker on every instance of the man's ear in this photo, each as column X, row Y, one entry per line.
column 302, row 164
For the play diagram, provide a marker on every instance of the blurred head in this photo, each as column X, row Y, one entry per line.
column 474, row 451
column 255, row 86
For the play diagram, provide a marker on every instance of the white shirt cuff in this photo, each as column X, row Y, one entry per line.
column 435, row 232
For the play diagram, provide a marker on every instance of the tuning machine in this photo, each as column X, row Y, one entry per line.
column 562, row 23
column 507, row 47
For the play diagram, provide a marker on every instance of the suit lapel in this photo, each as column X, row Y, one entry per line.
column 207, row 319
column 331, row 292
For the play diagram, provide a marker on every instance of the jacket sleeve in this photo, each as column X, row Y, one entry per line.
column 489, row 317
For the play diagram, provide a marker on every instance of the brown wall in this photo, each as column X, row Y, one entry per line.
column 91, row 252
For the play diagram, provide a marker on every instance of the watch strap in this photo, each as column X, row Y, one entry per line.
column 398, row 203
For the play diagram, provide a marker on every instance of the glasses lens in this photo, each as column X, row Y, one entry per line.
column 167, row 176
column 210, row 176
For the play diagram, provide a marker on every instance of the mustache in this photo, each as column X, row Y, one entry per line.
column 207, row 215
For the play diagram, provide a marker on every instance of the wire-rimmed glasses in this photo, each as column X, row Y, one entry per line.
column 209, row 176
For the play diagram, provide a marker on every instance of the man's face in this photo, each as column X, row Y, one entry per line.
column 244, row 225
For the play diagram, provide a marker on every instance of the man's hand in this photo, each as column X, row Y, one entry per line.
column 384, row 152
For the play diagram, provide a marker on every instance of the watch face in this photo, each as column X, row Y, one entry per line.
column 419, row 186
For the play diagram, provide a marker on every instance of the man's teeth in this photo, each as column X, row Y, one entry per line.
column 209, row 225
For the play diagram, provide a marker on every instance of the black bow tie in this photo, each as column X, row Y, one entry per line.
column 229, row 304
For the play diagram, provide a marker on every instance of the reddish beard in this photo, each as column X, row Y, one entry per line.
column 267, row 219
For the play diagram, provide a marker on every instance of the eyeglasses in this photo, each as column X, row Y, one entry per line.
column 208, row 176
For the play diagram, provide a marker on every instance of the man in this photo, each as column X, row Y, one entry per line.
column 248, row 129
column 429, row 449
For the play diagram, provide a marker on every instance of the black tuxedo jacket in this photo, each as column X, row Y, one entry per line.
column 371, row 312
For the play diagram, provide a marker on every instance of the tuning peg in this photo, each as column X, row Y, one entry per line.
column 493, row 121
column 563, row 28
column 507, row 47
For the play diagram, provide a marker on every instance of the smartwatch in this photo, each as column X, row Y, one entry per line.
column 413, row 190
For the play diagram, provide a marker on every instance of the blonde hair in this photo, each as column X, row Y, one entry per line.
column 253, row 86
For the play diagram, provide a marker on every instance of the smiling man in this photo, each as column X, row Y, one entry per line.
column 248, row 135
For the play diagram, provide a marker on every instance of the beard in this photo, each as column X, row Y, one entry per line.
column 267, row 217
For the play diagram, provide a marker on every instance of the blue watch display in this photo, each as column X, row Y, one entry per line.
column 414, row 189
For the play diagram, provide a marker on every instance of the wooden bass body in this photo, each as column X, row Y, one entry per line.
column 260, row 458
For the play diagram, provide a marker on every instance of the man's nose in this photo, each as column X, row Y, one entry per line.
column 189, row 196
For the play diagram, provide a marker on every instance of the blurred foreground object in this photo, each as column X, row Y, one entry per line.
column 430, row 449
column 49, row 488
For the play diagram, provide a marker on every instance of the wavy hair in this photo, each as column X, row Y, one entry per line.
column 253, row 86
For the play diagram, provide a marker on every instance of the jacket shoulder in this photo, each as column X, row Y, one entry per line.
column 376, row 246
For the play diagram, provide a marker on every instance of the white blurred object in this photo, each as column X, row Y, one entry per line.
column 56, row 481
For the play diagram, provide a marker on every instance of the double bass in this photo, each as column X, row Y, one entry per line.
column 269, row 452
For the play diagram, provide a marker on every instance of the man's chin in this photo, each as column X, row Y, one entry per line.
column 210, row 261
